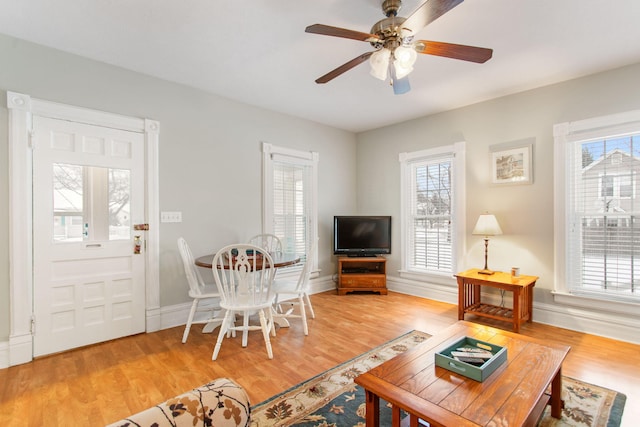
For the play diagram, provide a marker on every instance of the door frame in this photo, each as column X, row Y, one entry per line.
column 21, row 110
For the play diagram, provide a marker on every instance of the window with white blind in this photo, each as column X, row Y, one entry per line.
column 431, row 209
column 289, row 197
column 598, row 168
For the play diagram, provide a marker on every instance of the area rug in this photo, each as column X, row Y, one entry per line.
column 332, row 399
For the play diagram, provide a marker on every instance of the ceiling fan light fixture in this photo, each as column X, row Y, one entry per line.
column 394, row 35
column 405, row 57
column 379, row 61
column 401, row 70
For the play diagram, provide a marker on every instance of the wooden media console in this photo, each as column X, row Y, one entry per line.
column 357, row 274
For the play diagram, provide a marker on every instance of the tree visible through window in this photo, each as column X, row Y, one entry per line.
column 432, row 215
column 429, row 209
column 607, row 249
column 90, row 198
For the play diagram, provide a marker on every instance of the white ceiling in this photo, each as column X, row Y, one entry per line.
column 257, row 51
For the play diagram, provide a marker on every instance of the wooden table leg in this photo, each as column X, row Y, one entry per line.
column 373, row 409
column 517, row 310
column 556, row 395
column 529, row 294
column 395, row 416
column 461, row 298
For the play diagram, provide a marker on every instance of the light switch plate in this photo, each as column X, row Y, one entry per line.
column 171, row 217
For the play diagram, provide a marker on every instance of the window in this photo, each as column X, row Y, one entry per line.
column 432, row 209
column 606, row 186
column 598, row 228
column 616, row 186
column 90, row 203
column 289, row 197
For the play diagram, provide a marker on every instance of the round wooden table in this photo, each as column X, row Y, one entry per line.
column 279, row 260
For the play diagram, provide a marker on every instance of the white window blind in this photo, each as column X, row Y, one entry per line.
column 431, row 215
column 596, row 211
column 432, row 209
column 290, row 197
column 290, row 216
column 603, row 230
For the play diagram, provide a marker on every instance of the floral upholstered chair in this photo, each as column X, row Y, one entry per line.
column 221, row 403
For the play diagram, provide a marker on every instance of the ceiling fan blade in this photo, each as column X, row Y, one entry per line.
column 427, row 13
column 455, row 51
column 344, row 68
column 341, row 32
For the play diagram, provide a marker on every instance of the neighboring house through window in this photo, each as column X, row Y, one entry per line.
column 290, row 197
column 597, row 225
column 432, row 211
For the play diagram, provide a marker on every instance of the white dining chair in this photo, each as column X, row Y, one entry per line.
column 291, row 293
column 270, row 242
column 199, row 291
column 244, row 276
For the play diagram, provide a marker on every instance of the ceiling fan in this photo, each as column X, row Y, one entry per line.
column 395, row 50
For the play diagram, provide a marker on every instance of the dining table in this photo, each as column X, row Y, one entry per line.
column 279, row 260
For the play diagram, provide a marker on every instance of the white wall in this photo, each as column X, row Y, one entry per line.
column 525, row 212
column 210, row 158
column 205, row 139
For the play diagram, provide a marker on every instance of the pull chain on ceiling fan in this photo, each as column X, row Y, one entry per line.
column 396, row 52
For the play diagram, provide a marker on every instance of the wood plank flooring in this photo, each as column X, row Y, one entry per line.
column 99, row 384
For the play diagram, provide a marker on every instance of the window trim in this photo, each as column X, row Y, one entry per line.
column 310, row 158
column 565, row 134
column 457, row 151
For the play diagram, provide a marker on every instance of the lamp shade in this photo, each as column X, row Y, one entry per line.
column 487, row 225
column 405, row 57
column 379, row 61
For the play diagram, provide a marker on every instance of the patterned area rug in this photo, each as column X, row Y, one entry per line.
column 332, row 399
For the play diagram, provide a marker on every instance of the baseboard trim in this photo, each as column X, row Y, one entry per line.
column 432, row 291
column 176, row 315
column 608, row 325
column 4, row 354
column 605, row 324
column 153, row 317
column 20, row 349
column 322, row 284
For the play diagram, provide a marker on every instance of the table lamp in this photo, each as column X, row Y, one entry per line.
column 486, row 226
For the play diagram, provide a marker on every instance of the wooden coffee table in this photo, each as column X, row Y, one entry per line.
column 514, row 395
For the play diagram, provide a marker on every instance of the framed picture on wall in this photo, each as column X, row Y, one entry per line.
column 512, row 166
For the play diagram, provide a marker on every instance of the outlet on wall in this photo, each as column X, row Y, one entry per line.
column 171, row 217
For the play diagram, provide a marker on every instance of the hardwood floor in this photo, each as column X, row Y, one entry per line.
column 102, row 383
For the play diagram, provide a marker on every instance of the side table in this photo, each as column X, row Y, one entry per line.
column 470, row 283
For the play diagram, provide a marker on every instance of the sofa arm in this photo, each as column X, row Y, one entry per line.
column 220, row 403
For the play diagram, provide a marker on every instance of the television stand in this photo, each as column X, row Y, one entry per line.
column 358, row 274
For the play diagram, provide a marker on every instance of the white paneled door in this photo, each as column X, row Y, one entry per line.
column 88, row 262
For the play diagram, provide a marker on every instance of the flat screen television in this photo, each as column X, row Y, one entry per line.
column 361, row 235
